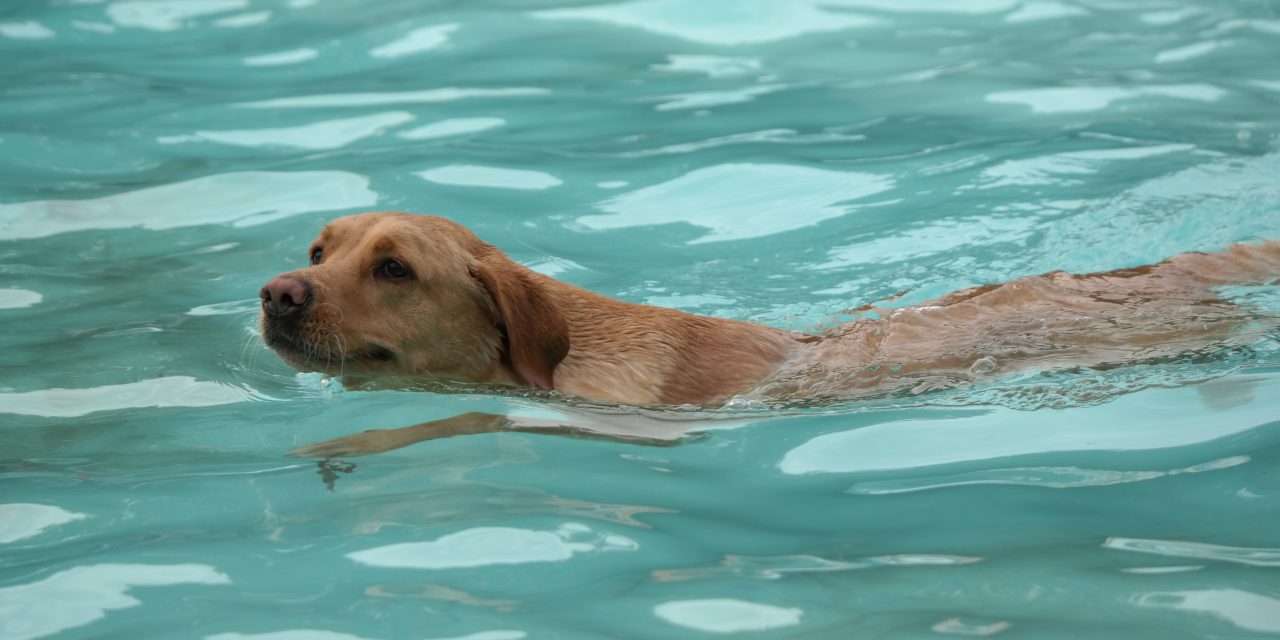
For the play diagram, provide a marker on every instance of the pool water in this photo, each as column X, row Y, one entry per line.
column 781, row 161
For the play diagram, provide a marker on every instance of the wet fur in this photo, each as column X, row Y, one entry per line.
column 472, row 314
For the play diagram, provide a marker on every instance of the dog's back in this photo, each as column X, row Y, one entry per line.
column 1049, row 322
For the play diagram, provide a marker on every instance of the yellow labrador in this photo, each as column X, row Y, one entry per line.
column 401, row 296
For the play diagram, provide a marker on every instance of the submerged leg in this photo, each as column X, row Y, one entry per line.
column 379, row 440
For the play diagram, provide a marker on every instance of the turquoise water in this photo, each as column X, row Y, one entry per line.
column 773, row 160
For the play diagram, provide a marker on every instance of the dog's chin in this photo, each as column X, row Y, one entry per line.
column 303, row 359
column 328, row 356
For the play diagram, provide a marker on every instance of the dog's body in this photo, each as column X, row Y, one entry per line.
column 420, row 297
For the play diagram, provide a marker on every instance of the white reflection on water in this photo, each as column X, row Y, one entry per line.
column 705, row 99
column 1073, row 99
column 28, row 30
column 929, row 239
column 758, row 21
column 1188, row 52
column 1244, row 609
column 552, row 265
column 229, row 307
column 292, row 56
column 1153, row 419
column 21, row 520
column 750, row 21
column 416, row 41
column 1049, row 477
column 425, row 96
column 776, row 567
column 251, row 19
column 713, row 66
column 1037, row 10
column 486, row 546
column 727, row 615
column 1181, row 211
column 321, row 634
column 736, row 201
column 1155, row 571
column 19, row 298
column 288, row 634
column 689, row 300
column 962, row 627
column 167, row 15
column 451, row 127
column 1271, row 27
column 1173, row 16
column 763, row 136
column 1253, row 556
column 1049, row 169
column 976, row 7
column 93, row 27
column 243, row 198
column 82, row 595
column 467, row 175
column 172, row 391
column 327, row 134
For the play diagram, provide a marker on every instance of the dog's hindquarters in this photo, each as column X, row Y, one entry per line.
column 1254, row 263
column 1049, row 322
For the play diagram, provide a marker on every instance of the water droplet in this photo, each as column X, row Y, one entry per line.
column 744, row 403
column 983, row 366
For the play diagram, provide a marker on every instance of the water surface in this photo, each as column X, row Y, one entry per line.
column 781, row 161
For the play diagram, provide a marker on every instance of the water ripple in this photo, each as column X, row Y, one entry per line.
column 241, row 198
column 82, row 595
column 19, row 521
column 486, row 546
column 727, row 615
column 326, row 134
column 169, row 391
column 425, row 96
column 167, row 15
column 1244, row 609
column 736, row 201
column 753, row 21
column 416, row 41
column 292, row 56
column 1252, row 556
column 1048, row 477
column 1077, row 99
column 495, row 177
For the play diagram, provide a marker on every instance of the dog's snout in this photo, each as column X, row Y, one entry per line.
column 285, row 296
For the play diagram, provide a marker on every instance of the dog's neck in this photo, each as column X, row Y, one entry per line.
column 638, row 354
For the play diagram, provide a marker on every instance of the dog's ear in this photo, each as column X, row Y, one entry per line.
column 536, row 335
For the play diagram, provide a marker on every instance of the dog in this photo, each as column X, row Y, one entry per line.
column 400, row 297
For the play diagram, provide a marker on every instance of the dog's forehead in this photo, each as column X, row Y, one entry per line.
column 383, row 233
column 351, row 230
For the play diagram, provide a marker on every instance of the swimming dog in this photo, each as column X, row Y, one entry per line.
column 399, row 296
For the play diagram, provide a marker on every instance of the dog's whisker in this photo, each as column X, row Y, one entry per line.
column 342, row 354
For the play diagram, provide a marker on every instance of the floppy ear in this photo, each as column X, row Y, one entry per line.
column 537, row 337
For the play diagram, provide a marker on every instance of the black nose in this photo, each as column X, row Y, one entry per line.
column 285, row 296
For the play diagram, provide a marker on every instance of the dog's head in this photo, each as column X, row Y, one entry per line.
column 409, row 295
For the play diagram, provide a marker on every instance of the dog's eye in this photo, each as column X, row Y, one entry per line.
column 393, row 270
column 316, row 255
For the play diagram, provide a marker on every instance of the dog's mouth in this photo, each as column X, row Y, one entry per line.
column 308, row 343
column 327, row 355
column 282, row 340
column 374, row 353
